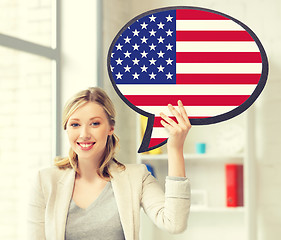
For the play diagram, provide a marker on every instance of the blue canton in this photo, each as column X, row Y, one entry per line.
column 145, row 53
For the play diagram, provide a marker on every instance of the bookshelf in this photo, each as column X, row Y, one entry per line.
column 209, row 216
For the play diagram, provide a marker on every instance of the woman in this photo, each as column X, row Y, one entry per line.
column 90, row 195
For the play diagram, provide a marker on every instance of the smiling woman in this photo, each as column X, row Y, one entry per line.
column 91, row 195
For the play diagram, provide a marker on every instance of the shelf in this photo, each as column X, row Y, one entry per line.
column 217, row 209
column 207, row 156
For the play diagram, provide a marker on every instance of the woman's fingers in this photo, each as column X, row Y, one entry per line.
column 183, row 112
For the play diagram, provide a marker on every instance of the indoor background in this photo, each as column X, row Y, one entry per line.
column 52, row 49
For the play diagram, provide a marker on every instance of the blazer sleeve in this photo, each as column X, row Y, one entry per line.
column 36, row 211
column 169, row 210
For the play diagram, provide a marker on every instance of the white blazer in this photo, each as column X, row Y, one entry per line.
column 133, row 188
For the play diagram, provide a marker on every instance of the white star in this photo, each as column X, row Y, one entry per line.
column 119, row 46
column 160, row 68
column 135, row 75
column 169, row 18
column 136, row 46
column 127, row 68
column 143, row 54
column 143, row 68
column 111, row 68
column 161, row 25
column 169, row 47
column 152, row 33
column 136, row 61
column 169, row 75
column 160, row 40
column 127, row 54
column 136, row 32
column 119, row 75
column 169, row 61
column 127, row 39
column 112, row 54
column 152, row 18
column 152, row 47
column 143, row 25
column 152, row 75
column 161, row 54
column 152, row 61
column 169, row 33
column 119, row 61
column 144, row 39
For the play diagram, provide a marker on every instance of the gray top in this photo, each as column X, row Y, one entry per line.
column 100, row 221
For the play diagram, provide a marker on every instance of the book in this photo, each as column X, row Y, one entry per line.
column 234, row 185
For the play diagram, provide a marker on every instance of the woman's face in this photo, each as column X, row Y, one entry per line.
column 88, row 129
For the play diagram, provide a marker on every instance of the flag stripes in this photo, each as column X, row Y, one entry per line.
column 213, row 36
column 218, row 57
column 219, row 78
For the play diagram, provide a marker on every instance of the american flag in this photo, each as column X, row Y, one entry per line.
column 203, row 58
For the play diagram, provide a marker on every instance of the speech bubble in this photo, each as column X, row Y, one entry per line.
column 212, row 62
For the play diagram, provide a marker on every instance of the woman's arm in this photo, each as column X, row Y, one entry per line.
column 177, row 134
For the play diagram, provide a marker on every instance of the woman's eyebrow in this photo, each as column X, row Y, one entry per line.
column 74, row 119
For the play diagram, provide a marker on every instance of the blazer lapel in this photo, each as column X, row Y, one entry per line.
column 63, row 197
column 122, row 191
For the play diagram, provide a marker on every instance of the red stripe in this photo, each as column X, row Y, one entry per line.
column 213, row 36
column 218, row 78
column 192, row 14
column 218, row 57
column 157, row 120
column 188, row 100
column 155, row 141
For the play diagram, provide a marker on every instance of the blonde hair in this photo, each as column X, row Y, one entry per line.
column 97, row 95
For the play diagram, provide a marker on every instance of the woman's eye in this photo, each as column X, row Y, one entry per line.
column 95, row 123
column 74, row 124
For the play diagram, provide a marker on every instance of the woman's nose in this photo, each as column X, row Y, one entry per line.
column 85, row 133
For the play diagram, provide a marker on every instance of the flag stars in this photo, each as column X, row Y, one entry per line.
column 119, row 46
column 152, row 61
column 144, row 39
column 144, row 54
column 136, row 61
column 169, row 33
column 127, row 39
column 169, row 47
column 152, row 18
column 112, row 55
column 152, row 33
column 144, row 25
column 169, row 61
column 160, row 54
column 160, row 40
column 152, row 47
column 127, row 68
column 160, row 25
column 136, row 47
column 169, row 75
column 119, row 61
column 169, row 18
column 144, row 68
column 135, row 75
column 152, row 75
column 111, row 68
column 119, row 75
column 127, row 54
column 136, row 32
column 160, row 68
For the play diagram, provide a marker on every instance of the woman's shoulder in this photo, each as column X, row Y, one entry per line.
column 53, row 173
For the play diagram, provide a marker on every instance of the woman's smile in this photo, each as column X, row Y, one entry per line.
column 86, row 146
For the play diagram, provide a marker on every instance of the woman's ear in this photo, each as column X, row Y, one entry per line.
column 111, row 131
